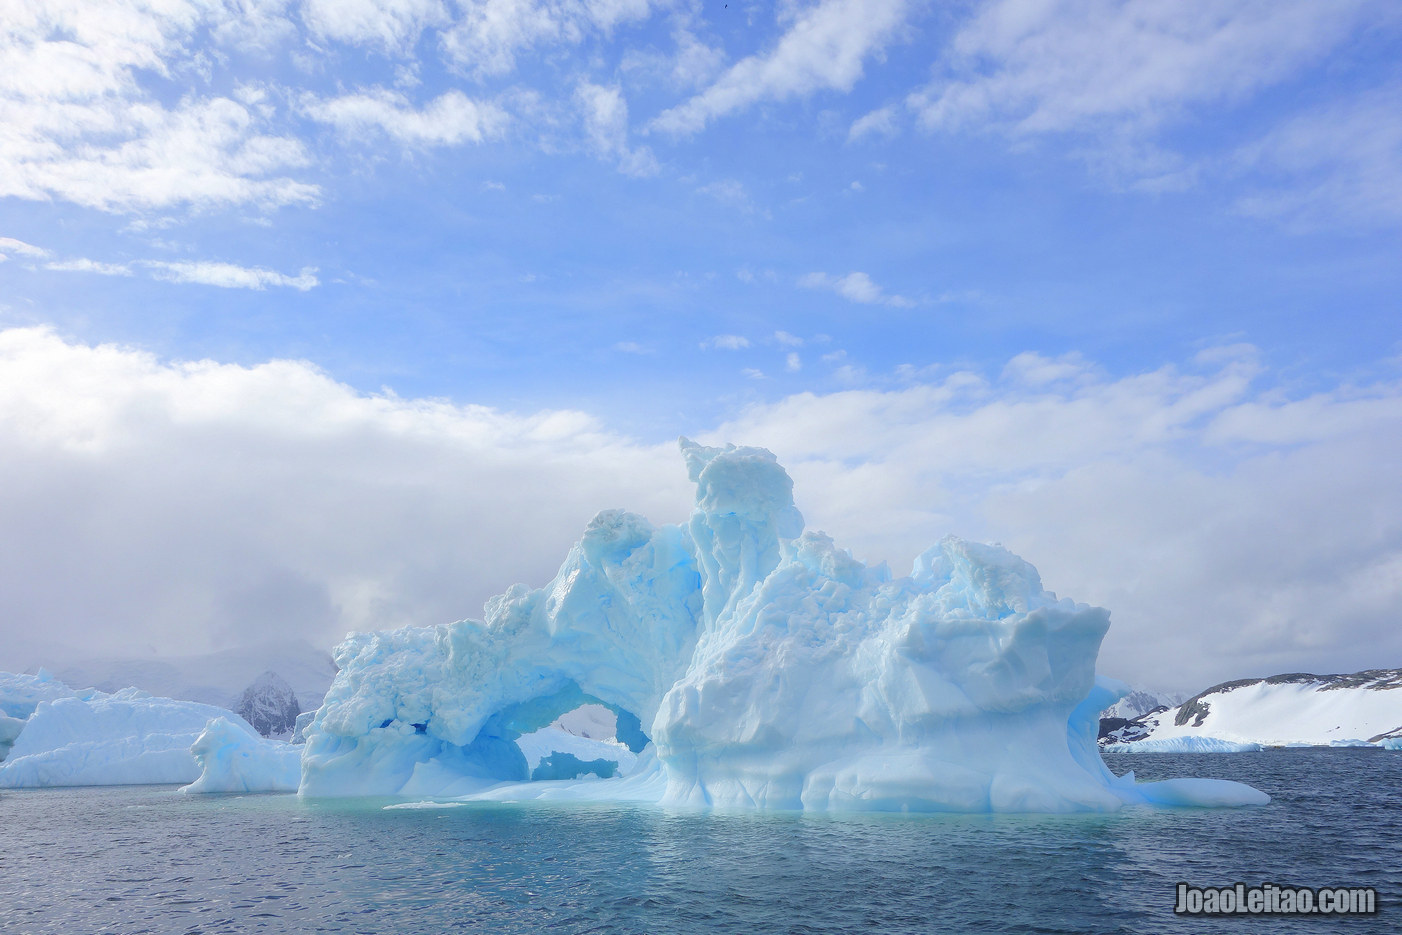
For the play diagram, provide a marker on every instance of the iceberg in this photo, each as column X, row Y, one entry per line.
column 232, row 757
column 94, row 738
column 748, row 663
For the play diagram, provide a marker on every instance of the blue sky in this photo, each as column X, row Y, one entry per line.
column 879, row 221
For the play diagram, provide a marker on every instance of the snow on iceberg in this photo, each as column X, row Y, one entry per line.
column 93, row 738
column 20, row 694
column 751, row 664
column 232, row 757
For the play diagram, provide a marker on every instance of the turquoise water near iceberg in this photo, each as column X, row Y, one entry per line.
column 149, row 860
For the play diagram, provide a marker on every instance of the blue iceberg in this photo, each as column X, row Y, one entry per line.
column 748, row 663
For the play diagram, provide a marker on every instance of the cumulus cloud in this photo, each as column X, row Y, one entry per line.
column 855, row 287
column 825, row 48
column 191, row 504
column 1232, row 528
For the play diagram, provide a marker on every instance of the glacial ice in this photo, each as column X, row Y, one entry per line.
column 1185, row 745
column 748, row 663
column 20, row 694
column 94, row 738
column 232, row 757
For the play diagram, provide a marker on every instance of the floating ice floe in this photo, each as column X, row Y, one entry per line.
column 747, row 663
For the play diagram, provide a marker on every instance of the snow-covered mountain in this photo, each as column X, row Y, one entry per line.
column 1296, row 709
column 270, row 705
column 1139, row 702
column 212, row 678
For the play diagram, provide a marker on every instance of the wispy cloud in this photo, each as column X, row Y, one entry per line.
column 824, row 49
column 726, row 342
column 84, row 265
column 392, row 26
column 1117, row 74
column 855, row 287
column 605, row 119
column 880, row 122
column 450, row 119
column 10, row 246
column 1061, row 65
column 730, row 192
column 487, row 35
column 1338, row 162
column 230, row 276
column 82, row 126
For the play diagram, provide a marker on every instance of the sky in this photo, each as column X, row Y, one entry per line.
column 321, row 315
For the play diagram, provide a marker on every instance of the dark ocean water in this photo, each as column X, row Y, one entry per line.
column 147, row 859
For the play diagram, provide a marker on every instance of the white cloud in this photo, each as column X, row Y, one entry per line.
column 729, row 192
column 81, row 126
column 191, row 503
column 788, row 340
column 632, row 347
column 450, row 119
column 183, row 503
column 880, row 122
column 605, row 117
column 487, row 35
column 1201, row 508
column 230, row 276
column 1337, row 162
column 824, row 49
column 793, row 362
column 1033, row 369
column 391, row 25
column 84, row 265
column 855, row 287
column 9, row 245
column 1033, row 66
column 726, row 342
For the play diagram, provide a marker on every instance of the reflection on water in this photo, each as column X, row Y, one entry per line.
column 144, row 859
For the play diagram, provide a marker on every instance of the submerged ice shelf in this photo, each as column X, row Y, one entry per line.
column 748, row 663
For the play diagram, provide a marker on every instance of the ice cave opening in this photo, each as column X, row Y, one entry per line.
column 566, row 734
